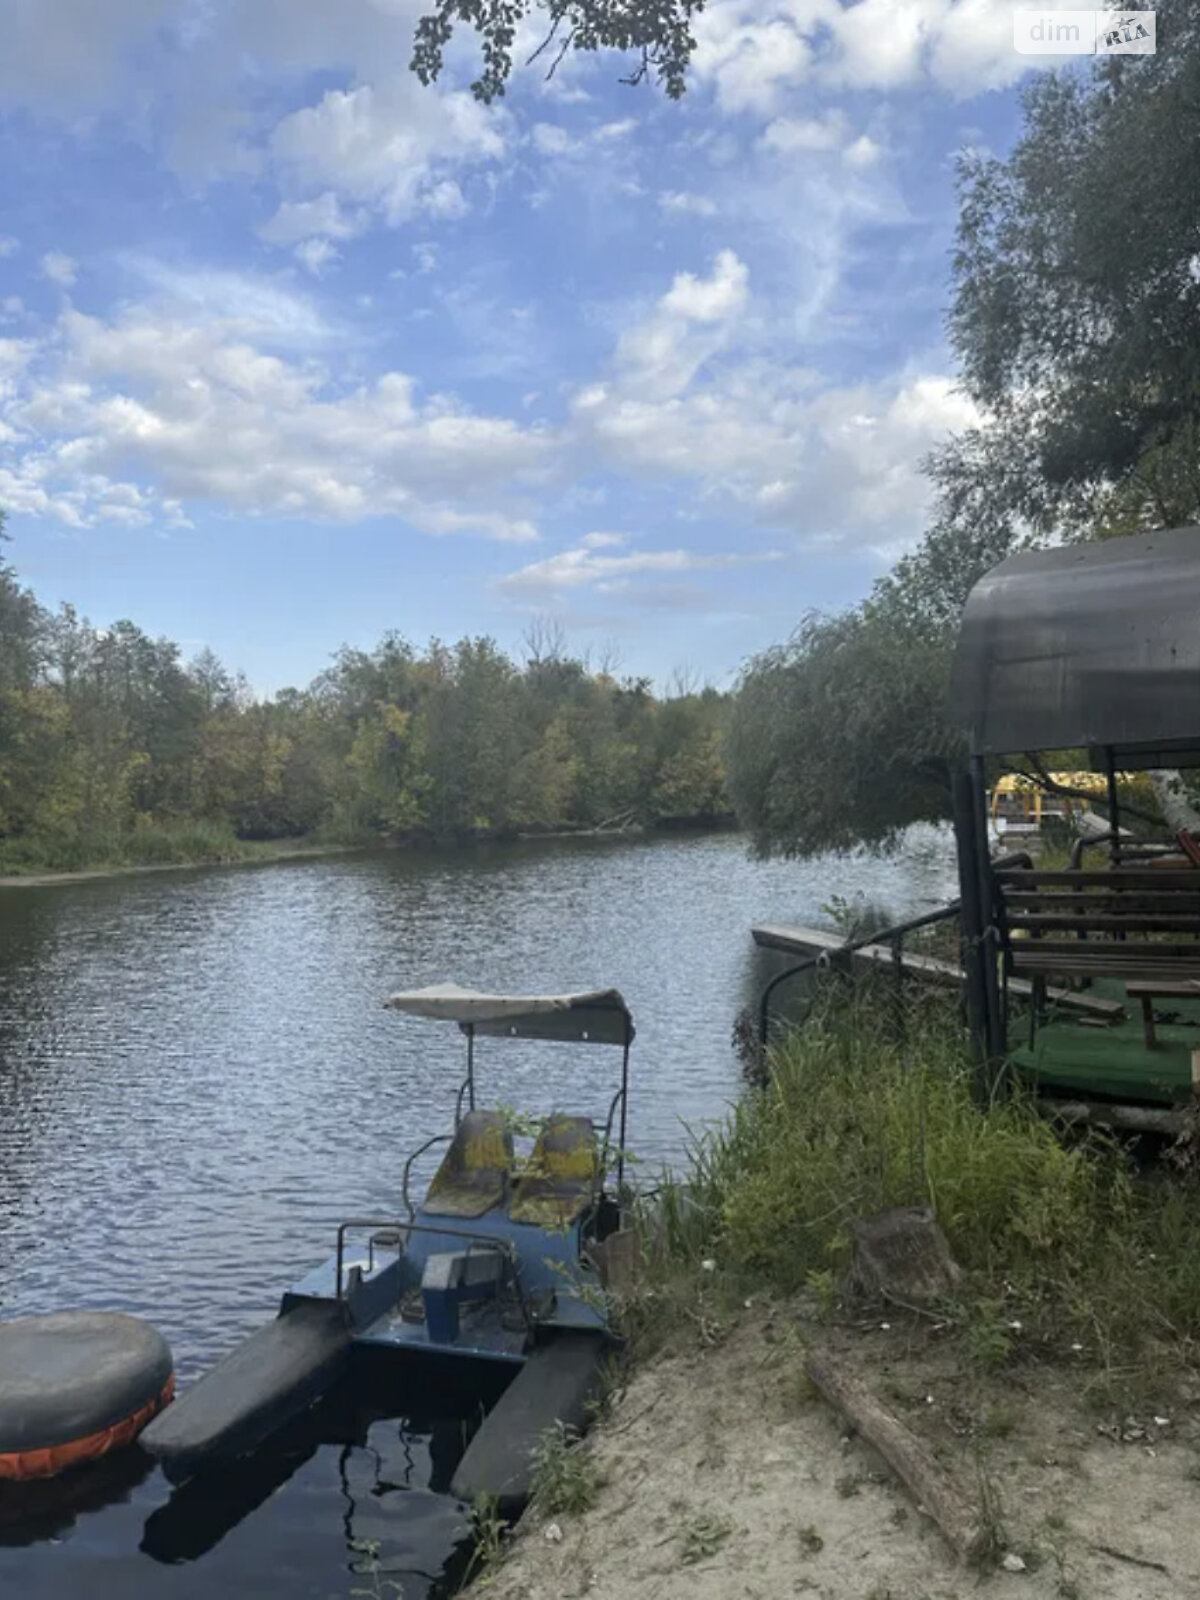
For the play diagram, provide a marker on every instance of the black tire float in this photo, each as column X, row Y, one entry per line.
column 75, row 1386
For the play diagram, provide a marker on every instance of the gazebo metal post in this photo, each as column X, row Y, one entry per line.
column 971, row 925
column 996, row 1033
column 1114, row 820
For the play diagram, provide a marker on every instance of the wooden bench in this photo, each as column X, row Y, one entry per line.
column 1140, row 925
column 1159, row 989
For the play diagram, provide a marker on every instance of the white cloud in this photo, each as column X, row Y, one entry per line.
column 709, row 299
column 680, row 203
column 790, row 138
column 863, row 152
column 143, row 414
column 694, row 319
column 323, row 217
column 750, row 58
column 8, row 245
column 755, row 52
column 444, row 200
column 59, row 268
column 389, row 147
column 262, row 306
column 582, row 568
column 552, row 139
column 789, row 135
column 721, row 405
column 314, row 255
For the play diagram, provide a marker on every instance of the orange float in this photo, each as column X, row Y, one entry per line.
column 75, row 1386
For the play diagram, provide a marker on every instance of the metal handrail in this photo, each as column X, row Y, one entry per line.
column 606, row 1147
column 438, row 1138
column 894, row 936
column 504, row 1247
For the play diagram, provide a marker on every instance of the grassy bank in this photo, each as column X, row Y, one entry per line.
column 1068, row 1249
column 1053, row 1389
column 49, row 855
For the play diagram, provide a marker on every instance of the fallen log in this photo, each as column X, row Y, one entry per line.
column 934, row 1491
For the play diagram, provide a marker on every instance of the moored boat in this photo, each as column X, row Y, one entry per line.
column 496, row 1267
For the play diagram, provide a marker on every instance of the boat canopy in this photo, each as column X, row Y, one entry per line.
column 1086, row 646
column 599, row 1016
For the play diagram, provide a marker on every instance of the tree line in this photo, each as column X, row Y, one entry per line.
column 112, row 747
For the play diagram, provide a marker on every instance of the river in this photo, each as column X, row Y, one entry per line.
column 197, row 1082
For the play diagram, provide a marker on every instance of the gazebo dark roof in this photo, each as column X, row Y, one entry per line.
column 1088, row 646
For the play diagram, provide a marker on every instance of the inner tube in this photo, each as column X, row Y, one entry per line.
column 76, row 1385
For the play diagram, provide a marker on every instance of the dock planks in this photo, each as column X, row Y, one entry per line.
column 801, row 941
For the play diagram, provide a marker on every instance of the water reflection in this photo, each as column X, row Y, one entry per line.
column 197, row 1082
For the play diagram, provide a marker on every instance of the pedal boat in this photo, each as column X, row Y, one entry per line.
column 494, row 1272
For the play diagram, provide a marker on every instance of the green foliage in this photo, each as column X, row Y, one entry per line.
column 489, row 1533
column 565, row 1480
column 112, row 751
column 367, row 1565
column 1076, row 319
column 1061, row 1243
column 1077, row 307
column 657, row 31
column 840, row 736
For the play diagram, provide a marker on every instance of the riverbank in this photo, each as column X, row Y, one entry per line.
column 717, row 1475
column 28, row 864
column 255, row 854
column 1056, row 1383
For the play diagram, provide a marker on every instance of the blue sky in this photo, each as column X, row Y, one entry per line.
column 294, row 351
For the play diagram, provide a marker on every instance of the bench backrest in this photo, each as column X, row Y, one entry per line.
column 1127, row 922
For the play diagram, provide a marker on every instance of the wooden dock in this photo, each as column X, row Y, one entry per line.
column 803, row 942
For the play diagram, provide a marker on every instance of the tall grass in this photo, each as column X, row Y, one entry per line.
column 150, row 842
column 1068, row 1239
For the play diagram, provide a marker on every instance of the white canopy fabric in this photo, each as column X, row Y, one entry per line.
column 598, row 1016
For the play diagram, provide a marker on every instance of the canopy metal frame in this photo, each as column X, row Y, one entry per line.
column 591, row 1017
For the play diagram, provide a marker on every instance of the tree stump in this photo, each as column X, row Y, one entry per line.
column 902, row 1256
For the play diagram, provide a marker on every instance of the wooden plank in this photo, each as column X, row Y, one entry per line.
column 1085, row 921
column 1168, row 991
column 800, row 941
column 1087, row 956
column 1128, row 948
column 1115, row 881
column 1176, row 902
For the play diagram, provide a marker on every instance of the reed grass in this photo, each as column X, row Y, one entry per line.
column 151, row 842
column 1067, row 1246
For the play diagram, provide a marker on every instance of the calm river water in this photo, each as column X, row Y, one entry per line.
column 197, row 1082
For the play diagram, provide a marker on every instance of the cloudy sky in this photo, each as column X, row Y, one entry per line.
column 293, row 350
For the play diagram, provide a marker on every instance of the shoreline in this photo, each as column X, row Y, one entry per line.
column 716, row 1473
column 46, row 880
column 38, row 878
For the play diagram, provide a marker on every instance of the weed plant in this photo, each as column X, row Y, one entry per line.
column 1062, row 1241
column 565, row 1480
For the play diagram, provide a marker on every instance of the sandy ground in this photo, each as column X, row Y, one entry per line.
column 725, row 1478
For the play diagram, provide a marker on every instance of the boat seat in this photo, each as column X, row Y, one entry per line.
column 559, row 1180
column 473, row 1175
